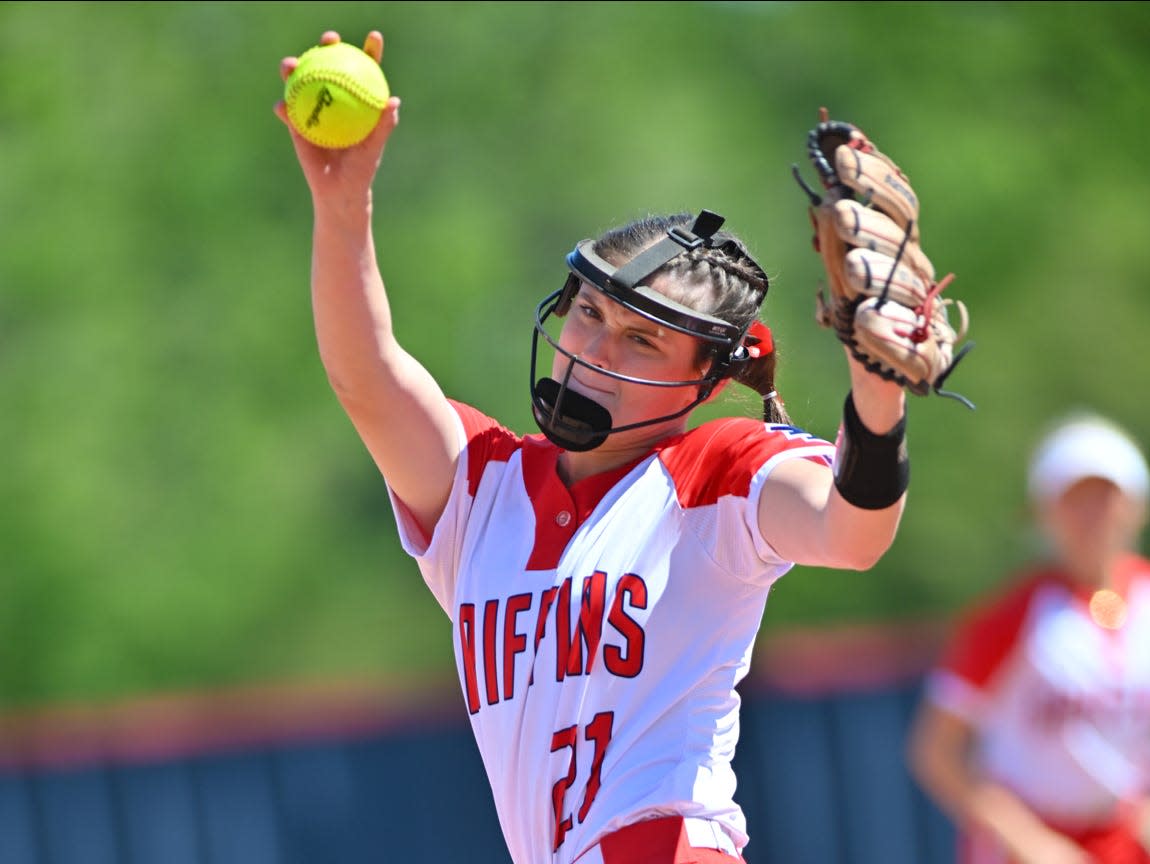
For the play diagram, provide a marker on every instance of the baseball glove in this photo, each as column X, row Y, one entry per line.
column 881, row 296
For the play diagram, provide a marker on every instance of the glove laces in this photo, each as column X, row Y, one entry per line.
column 925, row 312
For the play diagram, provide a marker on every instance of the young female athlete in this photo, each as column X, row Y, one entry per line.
column 1035, row 731
column 606, row 579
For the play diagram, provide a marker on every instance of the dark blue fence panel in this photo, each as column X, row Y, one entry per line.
column 159, row 813
column 822, row 779
column 238, row 808
column 76, row 817
column 875, row 793
column 320, row 805
column 936, row 832
column 17, row 823
column 786, row 753
column 425, row 797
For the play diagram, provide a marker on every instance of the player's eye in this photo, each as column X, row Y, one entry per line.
column 590, row 311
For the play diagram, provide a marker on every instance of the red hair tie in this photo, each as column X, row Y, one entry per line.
column 758, row 340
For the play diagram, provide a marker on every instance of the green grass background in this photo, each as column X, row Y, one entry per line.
column 184, row 505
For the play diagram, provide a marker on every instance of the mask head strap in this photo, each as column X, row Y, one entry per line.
column 624, row 284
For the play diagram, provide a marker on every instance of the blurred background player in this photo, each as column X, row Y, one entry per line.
column 1034, row 731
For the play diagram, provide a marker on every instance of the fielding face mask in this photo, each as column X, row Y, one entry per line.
column 576, row 422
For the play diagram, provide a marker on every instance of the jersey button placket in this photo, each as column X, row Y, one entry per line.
column 563, row 518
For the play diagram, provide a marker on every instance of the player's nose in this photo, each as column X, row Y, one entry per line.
column 599, row 349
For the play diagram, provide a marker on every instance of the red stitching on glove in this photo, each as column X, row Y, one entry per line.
column 924, row 310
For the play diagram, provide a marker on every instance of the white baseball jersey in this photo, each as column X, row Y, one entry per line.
column 1060, row 705
column 600, row 630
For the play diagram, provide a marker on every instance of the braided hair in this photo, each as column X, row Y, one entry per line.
column 720, row 279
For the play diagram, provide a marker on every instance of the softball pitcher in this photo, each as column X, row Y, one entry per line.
column 607, row 575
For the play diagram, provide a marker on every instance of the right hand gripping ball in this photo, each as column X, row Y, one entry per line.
column 335, row 95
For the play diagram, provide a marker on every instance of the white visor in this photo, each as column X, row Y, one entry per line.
column 1087, row 447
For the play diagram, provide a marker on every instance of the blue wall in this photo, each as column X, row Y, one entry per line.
column 822, row 779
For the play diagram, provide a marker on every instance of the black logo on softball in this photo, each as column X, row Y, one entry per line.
column 322, row 100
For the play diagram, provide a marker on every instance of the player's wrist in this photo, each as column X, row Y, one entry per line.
column 871, row 470
column 880, row 402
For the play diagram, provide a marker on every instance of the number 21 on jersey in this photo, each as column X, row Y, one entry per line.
column 598, row 731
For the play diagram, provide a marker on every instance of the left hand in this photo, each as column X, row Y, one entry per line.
column 881, row 298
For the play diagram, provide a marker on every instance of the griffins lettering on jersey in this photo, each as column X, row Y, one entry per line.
column 495, row 638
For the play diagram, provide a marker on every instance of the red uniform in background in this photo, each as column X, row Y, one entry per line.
column 1034, row 733
column 1061, row 705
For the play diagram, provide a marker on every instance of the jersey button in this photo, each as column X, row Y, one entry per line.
column 563, row 519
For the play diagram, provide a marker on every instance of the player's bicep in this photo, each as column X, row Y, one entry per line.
column 412, row 433
column 791, row 502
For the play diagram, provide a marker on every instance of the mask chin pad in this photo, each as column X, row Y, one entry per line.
column 582, row 425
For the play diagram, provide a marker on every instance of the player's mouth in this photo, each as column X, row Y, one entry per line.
column 589, row 390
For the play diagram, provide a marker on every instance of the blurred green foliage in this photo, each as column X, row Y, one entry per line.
column 184, row 503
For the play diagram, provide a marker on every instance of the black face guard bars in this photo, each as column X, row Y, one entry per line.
column 575, row 422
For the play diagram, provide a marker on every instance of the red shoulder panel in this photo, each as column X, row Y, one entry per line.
column 721, row 456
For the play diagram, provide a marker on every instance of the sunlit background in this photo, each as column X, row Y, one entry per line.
column 212, row 648
column 184, row 504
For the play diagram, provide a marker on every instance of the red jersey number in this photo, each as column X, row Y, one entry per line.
column 598, row 731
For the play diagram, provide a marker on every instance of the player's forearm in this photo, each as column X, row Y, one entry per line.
column 867, row 499
column 1027, row 838
column 352, row 316
column 938, row 761
column 940, row 768
column 880, row 403
column 806, row 521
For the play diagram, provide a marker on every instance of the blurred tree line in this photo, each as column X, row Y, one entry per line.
column 185, row 504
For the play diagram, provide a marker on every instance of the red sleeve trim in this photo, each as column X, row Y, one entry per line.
column 487, row 441
column 986, row 634
column 721, row 457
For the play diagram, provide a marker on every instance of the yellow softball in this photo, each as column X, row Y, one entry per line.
column 335, row 95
